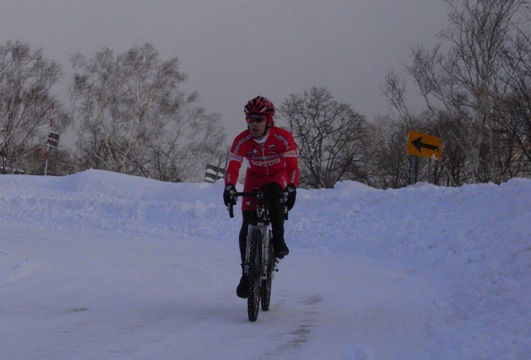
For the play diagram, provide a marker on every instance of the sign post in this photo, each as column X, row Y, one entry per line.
column 52, row 142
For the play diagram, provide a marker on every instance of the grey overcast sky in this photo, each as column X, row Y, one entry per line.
column 233, row 50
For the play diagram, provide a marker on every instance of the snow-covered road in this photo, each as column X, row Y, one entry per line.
column 68, row 295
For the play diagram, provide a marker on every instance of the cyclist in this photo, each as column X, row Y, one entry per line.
column 272, row 166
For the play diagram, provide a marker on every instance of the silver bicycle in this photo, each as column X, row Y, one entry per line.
column 260, row 263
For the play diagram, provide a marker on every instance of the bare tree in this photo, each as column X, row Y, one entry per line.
column 388, row 162
column 330, row 137
column 469, row 79
column 514, row 110
column 26, row 78
column 133, row 117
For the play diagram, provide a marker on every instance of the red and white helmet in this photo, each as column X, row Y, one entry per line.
column 261, row 106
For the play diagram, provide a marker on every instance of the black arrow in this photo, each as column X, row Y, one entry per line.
column 419, row 145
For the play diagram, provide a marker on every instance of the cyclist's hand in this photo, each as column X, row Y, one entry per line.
column 228, row 195
column 292, row 194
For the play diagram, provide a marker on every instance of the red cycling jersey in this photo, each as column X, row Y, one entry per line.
column 271, row 160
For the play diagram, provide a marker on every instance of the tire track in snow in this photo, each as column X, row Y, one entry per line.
column 12, row 267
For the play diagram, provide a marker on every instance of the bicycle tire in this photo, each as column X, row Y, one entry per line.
column 253, row 299
column 265, row 287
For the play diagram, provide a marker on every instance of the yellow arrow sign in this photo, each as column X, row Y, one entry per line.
column 424, row 145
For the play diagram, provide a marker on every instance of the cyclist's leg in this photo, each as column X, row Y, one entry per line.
column 274, row 183
column 248, row 211
column 276, row 215
column 247, row 216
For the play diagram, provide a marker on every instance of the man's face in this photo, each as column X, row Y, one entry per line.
column 257, row 125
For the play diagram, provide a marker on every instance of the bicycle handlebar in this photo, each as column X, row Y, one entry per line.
column 252, row 194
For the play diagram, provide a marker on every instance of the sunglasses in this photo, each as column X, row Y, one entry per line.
column 254, row 118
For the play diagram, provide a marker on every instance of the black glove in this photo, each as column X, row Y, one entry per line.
column 292, row 194
column 228, row 195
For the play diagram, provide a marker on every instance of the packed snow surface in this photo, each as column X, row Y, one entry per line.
column 100, row 265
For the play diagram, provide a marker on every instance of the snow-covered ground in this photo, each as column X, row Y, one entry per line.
column 100, row 265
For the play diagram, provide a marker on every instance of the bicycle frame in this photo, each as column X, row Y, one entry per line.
column 262, row 270
column 262, row 223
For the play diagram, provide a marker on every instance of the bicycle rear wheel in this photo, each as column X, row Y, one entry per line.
column 253, row 300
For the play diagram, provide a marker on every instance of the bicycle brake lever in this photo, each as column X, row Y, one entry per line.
column 230, row 207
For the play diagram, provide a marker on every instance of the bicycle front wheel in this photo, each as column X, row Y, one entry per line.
column 253, row 300
column 265, row 287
